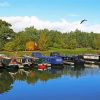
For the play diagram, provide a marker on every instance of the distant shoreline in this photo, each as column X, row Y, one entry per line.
column 61, row 51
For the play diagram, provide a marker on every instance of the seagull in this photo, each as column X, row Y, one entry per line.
column 83, row 21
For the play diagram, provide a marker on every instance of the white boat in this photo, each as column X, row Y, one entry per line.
column 91, row 58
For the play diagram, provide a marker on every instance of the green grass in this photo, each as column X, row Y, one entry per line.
column 61, row 51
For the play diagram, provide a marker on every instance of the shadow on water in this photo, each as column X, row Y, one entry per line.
column 32, row 76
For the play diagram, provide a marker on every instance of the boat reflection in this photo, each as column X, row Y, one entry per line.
column 32, row 76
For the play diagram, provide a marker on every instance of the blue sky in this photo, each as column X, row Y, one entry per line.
column 53, row 9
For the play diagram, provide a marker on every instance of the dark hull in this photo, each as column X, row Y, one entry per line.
column 57, row 66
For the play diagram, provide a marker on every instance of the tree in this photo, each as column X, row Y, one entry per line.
column 98, row 41
column 54, row 39
column 30, row 46
column 22, row 38
column 32, row 33
column 42, row 42
column 5, row 30
column 9, row 46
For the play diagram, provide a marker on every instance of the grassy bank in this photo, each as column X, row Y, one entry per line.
column 61, row 51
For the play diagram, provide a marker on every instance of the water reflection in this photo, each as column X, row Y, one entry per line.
column 32, row 76
column 6, row 81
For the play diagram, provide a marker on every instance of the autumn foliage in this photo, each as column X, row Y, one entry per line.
column 30, row 46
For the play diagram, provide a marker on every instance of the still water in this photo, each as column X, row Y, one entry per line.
column 70, row 83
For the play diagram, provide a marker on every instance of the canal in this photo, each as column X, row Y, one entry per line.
column 70, row 83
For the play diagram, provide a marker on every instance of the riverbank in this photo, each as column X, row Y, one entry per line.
column 61, row 51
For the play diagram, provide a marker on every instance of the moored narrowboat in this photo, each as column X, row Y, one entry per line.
column 49, row 60
column 13, row 64
column 91, row 58
column 74, row 60
column 27, row 61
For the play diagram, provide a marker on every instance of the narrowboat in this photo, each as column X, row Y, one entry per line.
column 70, row 60
column 27, row 61
column 91, row 58
column 49, row 60
column 5, row 61
column 74, row 60
column 13, row 64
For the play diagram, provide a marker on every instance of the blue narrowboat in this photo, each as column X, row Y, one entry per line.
column 53, row 60
column 74, row 60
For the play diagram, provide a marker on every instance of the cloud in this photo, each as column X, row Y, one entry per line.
column 4, row 4
column 20, row 23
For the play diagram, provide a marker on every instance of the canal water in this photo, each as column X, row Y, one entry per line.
column 70, row 83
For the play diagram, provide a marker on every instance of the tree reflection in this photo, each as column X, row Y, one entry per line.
column 21, row 75
column 45, row 75
column 32, row 76
column 6, row 81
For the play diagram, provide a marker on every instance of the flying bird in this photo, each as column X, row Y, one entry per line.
column 83, row 21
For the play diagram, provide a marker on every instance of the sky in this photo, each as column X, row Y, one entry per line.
column 61, row 15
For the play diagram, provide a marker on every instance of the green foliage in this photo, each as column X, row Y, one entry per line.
column 19, row 41
column 97, row 41
column 5, row 30
column 46, row 39
column 42, row 42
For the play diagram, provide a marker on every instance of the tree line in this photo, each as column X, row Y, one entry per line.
column 31, row 39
